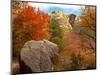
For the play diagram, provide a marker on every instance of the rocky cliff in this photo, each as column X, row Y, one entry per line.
column 64, row 20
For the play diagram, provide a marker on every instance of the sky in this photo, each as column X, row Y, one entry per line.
column 49, row 8
column 64, row 10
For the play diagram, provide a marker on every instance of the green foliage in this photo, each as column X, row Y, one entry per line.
column 55, row 28
column 56, row 33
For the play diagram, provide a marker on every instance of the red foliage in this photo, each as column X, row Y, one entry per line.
column 36, row 19
column 73, row 40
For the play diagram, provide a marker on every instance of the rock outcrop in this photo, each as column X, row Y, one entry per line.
column 36, row 55
column 65, row 20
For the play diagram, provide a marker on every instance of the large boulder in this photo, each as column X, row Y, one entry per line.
column 36, row 56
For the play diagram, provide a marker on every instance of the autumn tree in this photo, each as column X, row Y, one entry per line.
column 86, row 28
column 17, row 36
column 27, row 24
column 88, row 21
column 17, row 28
column 36, row 19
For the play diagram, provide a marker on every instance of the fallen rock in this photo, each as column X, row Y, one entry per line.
column 36, row 55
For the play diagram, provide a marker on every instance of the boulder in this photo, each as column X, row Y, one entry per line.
column 36, row 56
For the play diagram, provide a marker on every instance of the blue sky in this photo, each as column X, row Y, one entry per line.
column 64, row 10
column 49, row 8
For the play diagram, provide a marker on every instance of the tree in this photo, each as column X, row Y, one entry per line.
column 56, row 33
column 89, row 22
column 18, row 30
column 27, row 24
column 36, row 19
column 87, row 27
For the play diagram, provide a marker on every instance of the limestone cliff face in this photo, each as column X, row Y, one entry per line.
column 63, row 20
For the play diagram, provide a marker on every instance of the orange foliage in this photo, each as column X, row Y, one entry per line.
column 89, row 17
column 74, row 47
column 36, row 19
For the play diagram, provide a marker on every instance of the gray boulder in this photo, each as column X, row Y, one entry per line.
column 37, row 55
